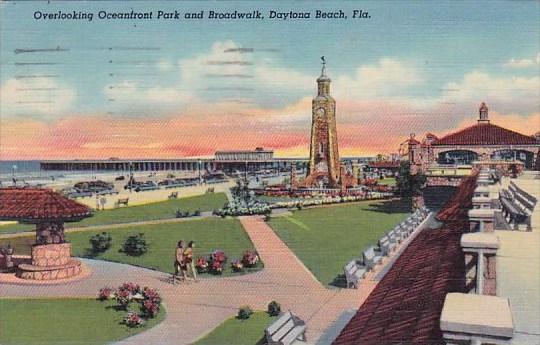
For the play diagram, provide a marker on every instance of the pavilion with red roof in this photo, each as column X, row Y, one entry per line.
column 51, row 254
column 482, row 141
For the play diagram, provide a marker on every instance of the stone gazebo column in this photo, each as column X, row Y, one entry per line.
column 50, row 232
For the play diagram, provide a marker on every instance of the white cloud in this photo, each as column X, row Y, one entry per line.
column 522, row 63
column 164, row 65
column 475, row 84
column 387, row 78
column 133, row 93
column 217, row 61
column 44, row 96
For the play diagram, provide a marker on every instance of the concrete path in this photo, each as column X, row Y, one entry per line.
column 195, row 308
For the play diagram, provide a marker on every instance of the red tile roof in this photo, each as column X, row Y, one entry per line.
column 32, row 204
column 406, row 305
column 485, row 134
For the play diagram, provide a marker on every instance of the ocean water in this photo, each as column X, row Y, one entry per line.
column 8, row 167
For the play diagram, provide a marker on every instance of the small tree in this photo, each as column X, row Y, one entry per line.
column 407, row 183
column 135, row 245
column 100, row 242
column 273, row 308
column 244, row 313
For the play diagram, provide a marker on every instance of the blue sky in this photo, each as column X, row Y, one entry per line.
column 418, row 54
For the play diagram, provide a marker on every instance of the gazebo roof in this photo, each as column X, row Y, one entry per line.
column 33, row 204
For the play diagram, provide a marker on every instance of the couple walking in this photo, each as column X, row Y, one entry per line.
column 184, row 261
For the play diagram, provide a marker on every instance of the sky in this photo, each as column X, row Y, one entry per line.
column 177, row 88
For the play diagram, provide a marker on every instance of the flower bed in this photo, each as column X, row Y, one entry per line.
column 326, row 200
column 216, row 262
column 128, row 297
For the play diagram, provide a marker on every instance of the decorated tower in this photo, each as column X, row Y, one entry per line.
column 324, row 168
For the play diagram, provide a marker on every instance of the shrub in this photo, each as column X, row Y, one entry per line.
column 273, row 308
column 217, row 261
column 123, row 298
column 178, row 213
column 100, row 242
column 151, row 295
column 217, row 267
column 244, row 313
column 250, row 258
column 132, row 288
column 201, row 265
column 150, row 308
column 133, row 320
column 237, row 265
column 135, row 245
column 105, row 294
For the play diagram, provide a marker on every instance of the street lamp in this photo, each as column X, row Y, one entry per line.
column 13, row 170
column 200, row 179
column 130, row 181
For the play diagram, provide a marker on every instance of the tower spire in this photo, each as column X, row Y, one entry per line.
column 323, row 69
column 483, row 113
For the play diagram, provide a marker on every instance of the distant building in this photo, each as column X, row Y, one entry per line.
column 259, row 154
column 483, row 141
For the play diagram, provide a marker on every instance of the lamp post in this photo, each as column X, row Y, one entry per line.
column 199, row 165
column 246, row 172
column 130, row 181
column 13, row 170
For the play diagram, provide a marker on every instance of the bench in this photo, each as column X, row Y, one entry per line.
column 392, row 237
column 370, row 258
column 386, row 245
column 123, row 201
column 354, row 272
column 173, row 195
column 287, row 329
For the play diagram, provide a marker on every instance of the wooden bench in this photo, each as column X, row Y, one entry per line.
column 370, row 258
column 287, row 329
column 354, row 272
column 173, row 195
column 123, row 202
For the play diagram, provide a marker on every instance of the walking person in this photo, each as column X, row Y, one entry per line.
column 188, row 259
column 180, row 263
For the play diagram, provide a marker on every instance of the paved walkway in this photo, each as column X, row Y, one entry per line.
column 195, row 308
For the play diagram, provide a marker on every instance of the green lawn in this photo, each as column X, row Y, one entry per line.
column 157, row 210
column 64, row 321
column 239, row 332
column 389, row 181
column 209, row 234
column 327, row 238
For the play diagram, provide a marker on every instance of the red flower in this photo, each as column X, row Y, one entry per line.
column 133, row 320
column 250, row 258
column 131, row 287
column 202, row 264
column 150, row 308
column 105, row 293
column 151, row 295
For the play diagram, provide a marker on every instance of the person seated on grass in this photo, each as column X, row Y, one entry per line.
column 188, row 258
column 180, row 263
